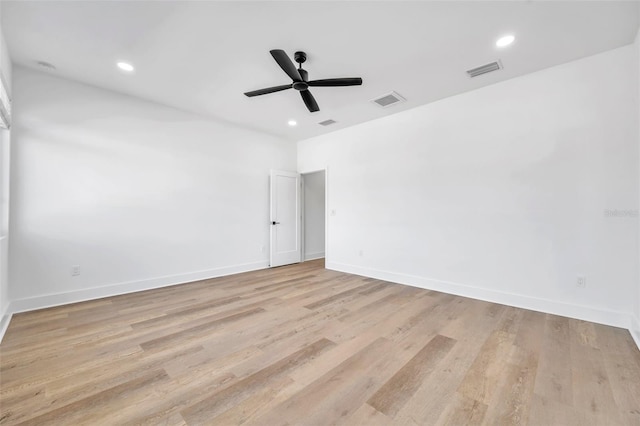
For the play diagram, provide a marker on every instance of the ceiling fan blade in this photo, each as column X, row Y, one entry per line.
column 285, row 63
column 334, row 82
column 309, row 101
column 268, row 90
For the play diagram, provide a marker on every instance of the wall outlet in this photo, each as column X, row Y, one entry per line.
column 581, row 281
column 75, row 270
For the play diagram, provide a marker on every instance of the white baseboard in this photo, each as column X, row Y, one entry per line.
column 635, row 330
column 57, row 299
column 5, row 319
column 586, row 313
column 312, row 256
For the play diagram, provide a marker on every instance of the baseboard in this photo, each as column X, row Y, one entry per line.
column 5, row 319
column 586, row 313
column 57, row 299
column 635, row 330
column 312, row 256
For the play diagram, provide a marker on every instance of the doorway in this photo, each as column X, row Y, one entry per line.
column 314, row 211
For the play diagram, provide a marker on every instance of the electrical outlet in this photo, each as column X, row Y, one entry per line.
column 581, row 281
column 75, row 270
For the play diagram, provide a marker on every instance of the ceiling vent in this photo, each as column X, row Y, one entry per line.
column 389, row 99
column 328, row 122
column 5, row 105
column 493, row 66
column 47, row 65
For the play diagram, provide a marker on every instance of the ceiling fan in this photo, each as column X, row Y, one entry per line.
column 300, row 79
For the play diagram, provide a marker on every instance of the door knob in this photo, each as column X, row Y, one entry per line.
column 275, row 223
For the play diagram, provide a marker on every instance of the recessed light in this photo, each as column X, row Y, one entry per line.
column 292, row 123
column 125, row 66
column 505, row 41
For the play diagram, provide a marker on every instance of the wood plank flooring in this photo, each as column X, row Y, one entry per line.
column 302, row 345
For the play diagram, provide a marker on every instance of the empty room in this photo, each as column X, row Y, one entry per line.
column 319, row 212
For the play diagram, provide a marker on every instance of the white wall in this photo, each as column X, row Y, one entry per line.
column 635, row 330
column 314, row 212
column 5, row 136
column 139, row 195
column 499, row 193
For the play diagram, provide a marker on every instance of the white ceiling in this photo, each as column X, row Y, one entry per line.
column 202, row 56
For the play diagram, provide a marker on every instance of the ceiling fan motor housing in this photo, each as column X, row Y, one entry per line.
column 300, row 85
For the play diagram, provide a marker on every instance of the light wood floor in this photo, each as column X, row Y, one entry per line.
column 304, row 345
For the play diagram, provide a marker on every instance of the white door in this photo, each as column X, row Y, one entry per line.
column 285, row 218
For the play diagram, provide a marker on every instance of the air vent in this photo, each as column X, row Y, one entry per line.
column 47, row 65
column 5, row 105
column 493, row 66
column 328, row 122
column 389, row 99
